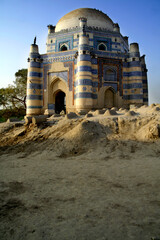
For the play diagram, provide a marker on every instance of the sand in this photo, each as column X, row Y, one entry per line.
column 82, row 178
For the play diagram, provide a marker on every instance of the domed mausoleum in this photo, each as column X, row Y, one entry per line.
column 88, row 64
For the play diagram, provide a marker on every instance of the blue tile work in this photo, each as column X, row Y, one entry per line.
column 145, row 84
column 131, row 64
column 63, row 75
column 71, row 72
column 67, row 40
column 58, row 54
column 59, row 57
column 51, row 106
column 110, row 54
column 84, row 57
column 35, row 97
column 34, row 55
column 84, row 47
column 145, row 81
column 86, row 69
column 35, row 74
column 95, row 84
column 94, row 60
column 34, row 86
column 87, row 82
column 131, row 74
column 34, row 107
column 83, row 69
column 35, row 64
column 105, row 76
column 132, row 85
column 133, row 97
column 85, row 95
column 107, row 41
column 115, row 63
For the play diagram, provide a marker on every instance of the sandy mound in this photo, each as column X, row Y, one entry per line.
column 110, row 112
column 114, row 109
column 97, row 112
column 130, row 113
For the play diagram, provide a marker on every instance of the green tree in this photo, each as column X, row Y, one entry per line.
column 14, row 96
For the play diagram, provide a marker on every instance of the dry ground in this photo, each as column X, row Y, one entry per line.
column 81, row 179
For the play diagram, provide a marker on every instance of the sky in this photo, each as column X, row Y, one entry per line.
column 22, row 20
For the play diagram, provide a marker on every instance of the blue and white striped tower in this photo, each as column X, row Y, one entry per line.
column 83, row 82
column 34, row 83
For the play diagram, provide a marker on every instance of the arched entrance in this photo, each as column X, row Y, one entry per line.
column 60, row 102
column 109, row 98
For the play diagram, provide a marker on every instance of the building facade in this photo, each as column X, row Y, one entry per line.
column 88, row 64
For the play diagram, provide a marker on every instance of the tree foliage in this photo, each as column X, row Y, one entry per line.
column 14, row 96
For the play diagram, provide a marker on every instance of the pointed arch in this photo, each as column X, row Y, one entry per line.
column 109, row 97
column 64, row 47
column 102, row 47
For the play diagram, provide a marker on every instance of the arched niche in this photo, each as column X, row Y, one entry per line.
column 109, row 96
column 58, row 89
column 110, row 75
column 102, row 47
column 64, row 47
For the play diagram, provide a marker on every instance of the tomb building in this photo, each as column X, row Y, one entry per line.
column 88, row 64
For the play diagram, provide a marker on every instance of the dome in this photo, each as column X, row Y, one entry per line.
column 95, row 18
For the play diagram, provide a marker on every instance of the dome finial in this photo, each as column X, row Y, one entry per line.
column 35, row 40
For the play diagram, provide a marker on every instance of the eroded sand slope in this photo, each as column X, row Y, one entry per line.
column 94, row 177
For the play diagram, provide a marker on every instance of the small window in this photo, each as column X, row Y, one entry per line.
column 51, row 41
column 84, row 52
column 133, row 59
column 64, row 48
column 115, row 39
column 102, row 47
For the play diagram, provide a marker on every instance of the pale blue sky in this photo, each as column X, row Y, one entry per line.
column 21, row 20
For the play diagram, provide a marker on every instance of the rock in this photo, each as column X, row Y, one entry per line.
column 89, row 115
column 82, row 112
column 39, row 119
column 71, row 115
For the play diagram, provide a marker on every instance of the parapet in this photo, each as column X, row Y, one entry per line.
column 116, row 27
column 51, row 29
column 34, row 48
column 134, row 48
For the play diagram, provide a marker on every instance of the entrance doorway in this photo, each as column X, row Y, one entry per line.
column 109, row 99
column 60, row 102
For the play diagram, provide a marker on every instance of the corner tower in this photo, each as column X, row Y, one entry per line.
column 34, row 82
column 83, row 93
